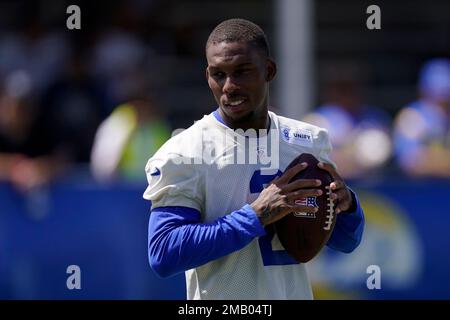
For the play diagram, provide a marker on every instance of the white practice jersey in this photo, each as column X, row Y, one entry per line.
column 209, row 168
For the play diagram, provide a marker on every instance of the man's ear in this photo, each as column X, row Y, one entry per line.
column 271, row 70
column 207, row 76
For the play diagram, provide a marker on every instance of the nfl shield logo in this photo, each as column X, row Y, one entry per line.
column 308, row 201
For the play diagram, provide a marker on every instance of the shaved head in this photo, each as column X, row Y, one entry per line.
column 240, row 30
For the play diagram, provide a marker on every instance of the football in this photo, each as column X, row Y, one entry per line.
column 303, row 234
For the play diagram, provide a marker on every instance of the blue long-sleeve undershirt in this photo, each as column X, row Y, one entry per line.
column 179, row 241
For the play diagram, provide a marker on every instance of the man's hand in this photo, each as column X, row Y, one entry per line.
column 278, row 199
column 341, row 194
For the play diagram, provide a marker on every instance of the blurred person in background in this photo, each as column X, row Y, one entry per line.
column 35, row 50
column 20, row 160
column 118, row 55
column 41, row 139
column 26, row 157
column 127, row 138
column 72, row 109
column 422, row 128
column 360, row 133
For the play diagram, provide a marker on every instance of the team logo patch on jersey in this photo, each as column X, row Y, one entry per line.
column 300, row 137
column 155, row 172
column 309, row 202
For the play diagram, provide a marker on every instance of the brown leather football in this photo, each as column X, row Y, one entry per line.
column 303, row 234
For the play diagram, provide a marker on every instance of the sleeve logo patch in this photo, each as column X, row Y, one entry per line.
column 155, row 172
column 300, row 137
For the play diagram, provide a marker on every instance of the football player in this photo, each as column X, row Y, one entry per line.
column 213, row 207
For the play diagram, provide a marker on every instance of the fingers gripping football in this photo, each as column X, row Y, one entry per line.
column 341, row 195
column 302, row 233
column 278, row 199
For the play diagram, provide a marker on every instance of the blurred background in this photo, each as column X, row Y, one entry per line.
column 81, row 111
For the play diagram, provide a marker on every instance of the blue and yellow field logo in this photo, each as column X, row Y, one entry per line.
column 390, row 241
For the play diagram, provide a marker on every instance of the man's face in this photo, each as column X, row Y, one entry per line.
column 239, row 75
